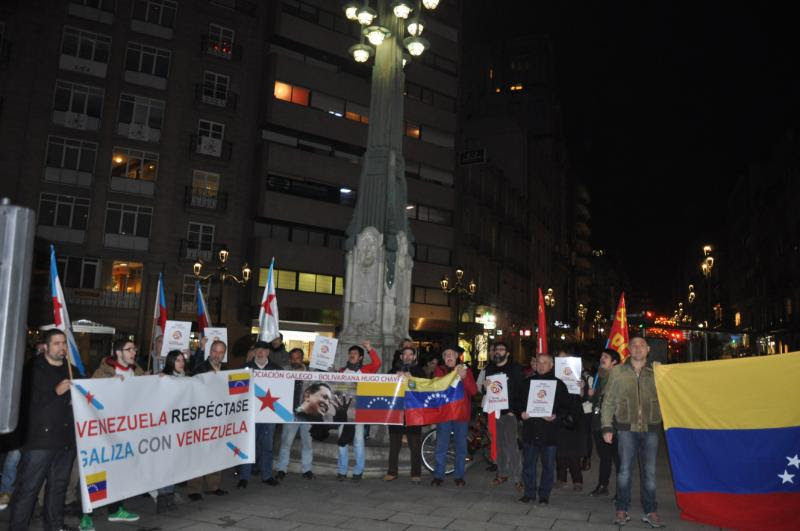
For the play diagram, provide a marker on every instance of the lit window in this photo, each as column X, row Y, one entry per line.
column 515, row 88
column 126, row 277
column 292, row 94
column 324, row 284
column 412, row 130
column 338, row 288
column 286, row 279
column 308, row 282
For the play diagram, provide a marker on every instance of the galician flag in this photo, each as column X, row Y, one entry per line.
column 61, row 317
column 541, row 344
column 203, row 317
column 618, row 338
column 268, row 313
column 159, row 314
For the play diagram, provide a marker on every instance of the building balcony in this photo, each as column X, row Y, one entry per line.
column 103, row 298
column 126, row 241
column 139, row 132
column 207, row 146
column 90, row 13
column 60, row 234
column 132, row 186
column 82, row 66
column 192, row 250
column 243, row 6
column 144, row 79
column 154, row 30
column 208, row 97
column 67, row 176
column 206, row 199
column 73, row 120
column 221, row 49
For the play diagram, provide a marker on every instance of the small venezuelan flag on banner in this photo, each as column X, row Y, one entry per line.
column 381, row 403
column 733, row 435
column 432, row 401
column 238, row 383
column 96, row 486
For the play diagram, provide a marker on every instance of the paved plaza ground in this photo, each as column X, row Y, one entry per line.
column 373, row 505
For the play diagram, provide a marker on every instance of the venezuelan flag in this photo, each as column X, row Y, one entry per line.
column 96, row 486
column 238, row 383
column 733, row 435
column 379, row 402
column 435, row 400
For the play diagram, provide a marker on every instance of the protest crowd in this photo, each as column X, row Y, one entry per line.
column 538, row 454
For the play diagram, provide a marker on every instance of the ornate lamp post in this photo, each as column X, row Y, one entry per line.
column 550, row 302
column 706, row 268
column 378, row 247
column 222, row 274
column 461, row 290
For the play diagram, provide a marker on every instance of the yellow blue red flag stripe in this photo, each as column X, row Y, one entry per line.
column 733, row 435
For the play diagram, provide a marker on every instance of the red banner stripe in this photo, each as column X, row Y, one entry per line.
column 777, row 510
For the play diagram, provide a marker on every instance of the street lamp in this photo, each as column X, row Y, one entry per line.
column 706, row 268
column 550, row 302
column 222, row 274
column 461, row 290
column 582, row 311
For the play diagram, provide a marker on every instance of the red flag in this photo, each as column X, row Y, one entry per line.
column 618, row 338
column 541, row 345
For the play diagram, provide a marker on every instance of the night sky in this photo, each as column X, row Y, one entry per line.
column 665, row 103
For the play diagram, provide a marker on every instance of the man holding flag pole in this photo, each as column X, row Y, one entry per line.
column 46, row 420
column 203, row 322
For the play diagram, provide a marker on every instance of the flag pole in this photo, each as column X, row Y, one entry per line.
column 69, row 366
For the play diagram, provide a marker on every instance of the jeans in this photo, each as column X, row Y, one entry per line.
column 443, row 431
column 646, row 445
column 287, row 438
column 10, row 471
column 508, row 460
column 265, row 435
column 531, row 454
column 36, row 466
column 358, row 450
column 414, row 436
column 608, row 454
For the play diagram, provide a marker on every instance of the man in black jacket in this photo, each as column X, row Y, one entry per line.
column 540, row 434
column 508, row 459
column 48, row 448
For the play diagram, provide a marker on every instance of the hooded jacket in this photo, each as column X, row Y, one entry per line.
column 108, row 369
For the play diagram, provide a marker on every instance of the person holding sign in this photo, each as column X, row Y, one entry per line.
column 572, row 439
column 265, row 433
column 350, row 435
column 508, row 458
column 540, row 433
column 48, row 448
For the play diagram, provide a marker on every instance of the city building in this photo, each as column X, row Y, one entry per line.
column 127, row 125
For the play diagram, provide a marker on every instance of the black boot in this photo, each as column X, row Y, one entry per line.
column 171, row 506
column 161, row 504
column 600, row 490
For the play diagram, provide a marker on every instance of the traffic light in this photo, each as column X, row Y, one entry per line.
column 16, row 245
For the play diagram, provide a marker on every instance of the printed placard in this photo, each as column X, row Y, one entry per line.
column 496, row 397
column 323, row 353
column 568, row 370
column 177, row 336
column 541, row 397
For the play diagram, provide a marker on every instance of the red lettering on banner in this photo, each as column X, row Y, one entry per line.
column 210, row 433
column 140, row 421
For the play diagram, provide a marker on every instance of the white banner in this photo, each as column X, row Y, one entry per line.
column 148, row 432
column 290, row 397
column 216, row 334
column 568, row 370
column 177, row 336
column 323, row 353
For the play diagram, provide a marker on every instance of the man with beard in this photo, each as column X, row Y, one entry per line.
column 509, row 464
column 48, row 448
column 406, row 367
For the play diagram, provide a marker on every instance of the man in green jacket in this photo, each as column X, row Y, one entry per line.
column 630, row 405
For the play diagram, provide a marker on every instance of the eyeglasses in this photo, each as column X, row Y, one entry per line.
column 132, row 349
